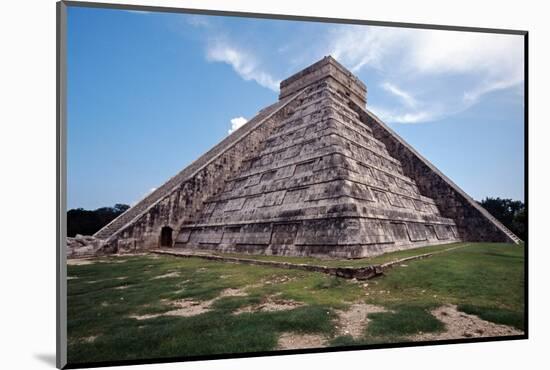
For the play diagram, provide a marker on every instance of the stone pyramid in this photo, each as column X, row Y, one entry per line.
column 314, row 174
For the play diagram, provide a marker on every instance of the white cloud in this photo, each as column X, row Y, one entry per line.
column 494, row 62
column 496, row 59
column 236, row 123
column 472, row 96
column 139, row 11
column 406, row 97
column 400, row 116
column 411, row 111
column 475, row 64
column 464, row 52
column 428, row 51
column 359, row 46
column 243, row 62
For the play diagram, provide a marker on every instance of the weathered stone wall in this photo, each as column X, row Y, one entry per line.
column 322, row 186
column 473, row 222
column 183, row 198
column 83, row 246
column 330, row 70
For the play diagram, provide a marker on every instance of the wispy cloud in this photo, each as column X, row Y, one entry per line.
column 360, row 46
column 427, row 51
column 139, row 11
column 236, row 123
column 411, row 109
column 472, row 96
column 243, row 62
column 493, row 62
column 403, row 116
column 414, row 64
column 406, row 97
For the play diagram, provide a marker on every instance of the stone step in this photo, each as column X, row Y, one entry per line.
column 184, row 175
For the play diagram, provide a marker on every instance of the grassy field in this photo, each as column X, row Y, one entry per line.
column 115, row 305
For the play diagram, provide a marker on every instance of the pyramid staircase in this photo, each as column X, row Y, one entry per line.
column 125, row 219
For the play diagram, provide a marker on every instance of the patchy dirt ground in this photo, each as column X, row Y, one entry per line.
column 117, row 260
column 167, row 275
column 189, row 307
column 277, row 279
column 301, row 300
column 462, row 325
column 300, row 341
column 231, row 292
column 354, row 320
column 90, row 339
column 80, row 261
column 183, row 308
column 270, row 304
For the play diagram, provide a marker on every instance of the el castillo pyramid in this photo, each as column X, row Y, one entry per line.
column 316, row 174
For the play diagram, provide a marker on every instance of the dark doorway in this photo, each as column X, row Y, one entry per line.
column 166, row 236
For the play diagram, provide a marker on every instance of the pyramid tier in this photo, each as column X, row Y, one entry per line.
column 322, row 185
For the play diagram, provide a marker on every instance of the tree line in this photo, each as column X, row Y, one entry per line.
column 86, row 222
column 511, row 213
column 80, row 221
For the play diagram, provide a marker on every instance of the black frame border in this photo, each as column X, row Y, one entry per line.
column 61, row 175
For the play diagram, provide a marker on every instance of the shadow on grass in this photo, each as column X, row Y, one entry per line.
column 403, row 320
column 212, row 332
column 496, row 315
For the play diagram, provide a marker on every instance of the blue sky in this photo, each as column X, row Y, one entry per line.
column 150, row 92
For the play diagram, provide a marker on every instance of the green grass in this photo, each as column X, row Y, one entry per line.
column 482, row 275
column 482, row 279
column 403, row 320
column 497, row 315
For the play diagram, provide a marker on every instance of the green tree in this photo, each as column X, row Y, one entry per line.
column 511, row 213
column 86, row 222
